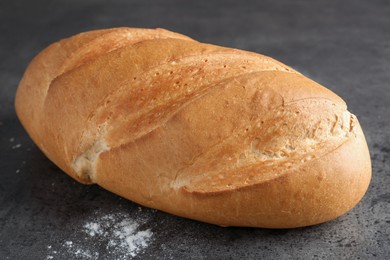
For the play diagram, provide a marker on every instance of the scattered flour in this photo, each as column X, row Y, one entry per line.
column 118, row 236
column 93, row 229
column 126, row 237
column 79, row 252
column 16, row 146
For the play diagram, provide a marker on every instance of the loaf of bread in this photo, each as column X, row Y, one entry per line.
column 209, row 133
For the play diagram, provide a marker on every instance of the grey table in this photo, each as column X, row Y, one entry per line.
column 344, row 45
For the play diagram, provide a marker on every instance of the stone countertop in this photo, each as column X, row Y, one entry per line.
column 344, row 45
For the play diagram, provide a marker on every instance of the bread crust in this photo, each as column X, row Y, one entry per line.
column 215, row 134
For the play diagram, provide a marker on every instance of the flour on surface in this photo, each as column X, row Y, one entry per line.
column 117, row 235
column 127, row 238
column 124, row 235
column 93, row 229
column 16, row 146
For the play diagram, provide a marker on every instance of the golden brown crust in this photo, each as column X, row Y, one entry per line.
column 54, row 63
column 210, row 133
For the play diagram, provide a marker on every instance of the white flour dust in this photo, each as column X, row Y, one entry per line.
column 124, row 236
column 118, row 236
column 16, row 146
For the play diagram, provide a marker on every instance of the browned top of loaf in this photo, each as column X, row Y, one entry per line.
column 93, row 49
column 132, row 82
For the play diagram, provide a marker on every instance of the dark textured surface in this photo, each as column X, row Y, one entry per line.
column 344, row 45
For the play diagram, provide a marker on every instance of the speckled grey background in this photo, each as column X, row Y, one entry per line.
column 344, row 45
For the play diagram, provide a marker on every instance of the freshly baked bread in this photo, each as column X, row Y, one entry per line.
column 214, row 134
